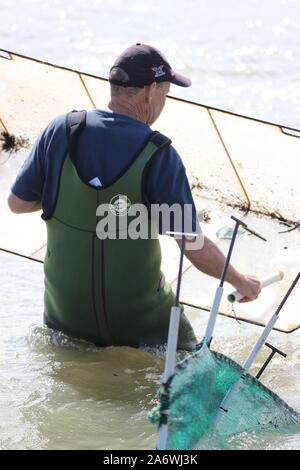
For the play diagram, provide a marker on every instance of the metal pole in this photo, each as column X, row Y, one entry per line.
column 219, row 292
column 172, row 341
column 224, row 407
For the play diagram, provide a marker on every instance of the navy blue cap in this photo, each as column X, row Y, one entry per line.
column 141, row 65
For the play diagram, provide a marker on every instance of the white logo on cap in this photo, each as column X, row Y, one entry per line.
column 158, row 71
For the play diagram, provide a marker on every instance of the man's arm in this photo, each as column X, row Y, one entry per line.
column 167, row 183
column 19, row 206
column 210, row 260
column 27, row 190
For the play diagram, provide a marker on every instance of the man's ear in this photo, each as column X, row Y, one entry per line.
column 149, row 92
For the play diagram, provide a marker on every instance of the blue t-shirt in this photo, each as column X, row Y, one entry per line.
column 106, row 147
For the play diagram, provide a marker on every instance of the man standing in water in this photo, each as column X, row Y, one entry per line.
column 100, row 285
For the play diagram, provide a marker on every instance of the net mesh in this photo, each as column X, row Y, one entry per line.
column 192, row 397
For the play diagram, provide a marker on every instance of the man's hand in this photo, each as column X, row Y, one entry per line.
column 249, row 287
column 210, row 260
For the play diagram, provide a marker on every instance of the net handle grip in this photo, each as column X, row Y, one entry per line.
column 264, row 282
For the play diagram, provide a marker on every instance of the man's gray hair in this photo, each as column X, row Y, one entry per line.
column 120, row 75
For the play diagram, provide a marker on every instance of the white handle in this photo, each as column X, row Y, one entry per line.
column 266, row 281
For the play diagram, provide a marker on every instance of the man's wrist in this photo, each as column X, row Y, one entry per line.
column 234, row 278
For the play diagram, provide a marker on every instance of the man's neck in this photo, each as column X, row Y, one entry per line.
column 134, row 110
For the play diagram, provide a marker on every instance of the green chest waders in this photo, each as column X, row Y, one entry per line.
column 107, row 291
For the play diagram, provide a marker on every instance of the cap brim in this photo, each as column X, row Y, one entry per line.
column 180, row 80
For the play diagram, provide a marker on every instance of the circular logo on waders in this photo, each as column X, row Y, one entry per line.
column 120, row 204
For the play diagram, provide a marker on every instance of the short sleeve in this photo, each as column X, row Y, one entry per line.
column 29, row 183
column 165, row 182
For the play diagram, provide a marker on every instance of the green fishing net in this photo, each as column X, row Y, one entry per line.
column 191, row 399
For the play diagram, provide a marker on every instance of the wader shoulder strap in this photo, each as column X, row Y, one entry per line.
column 75, row 123
column 159, row 140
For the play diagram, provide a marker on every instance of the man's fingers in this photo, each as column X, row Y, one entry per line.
column 247, row 299
column 243, row 300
